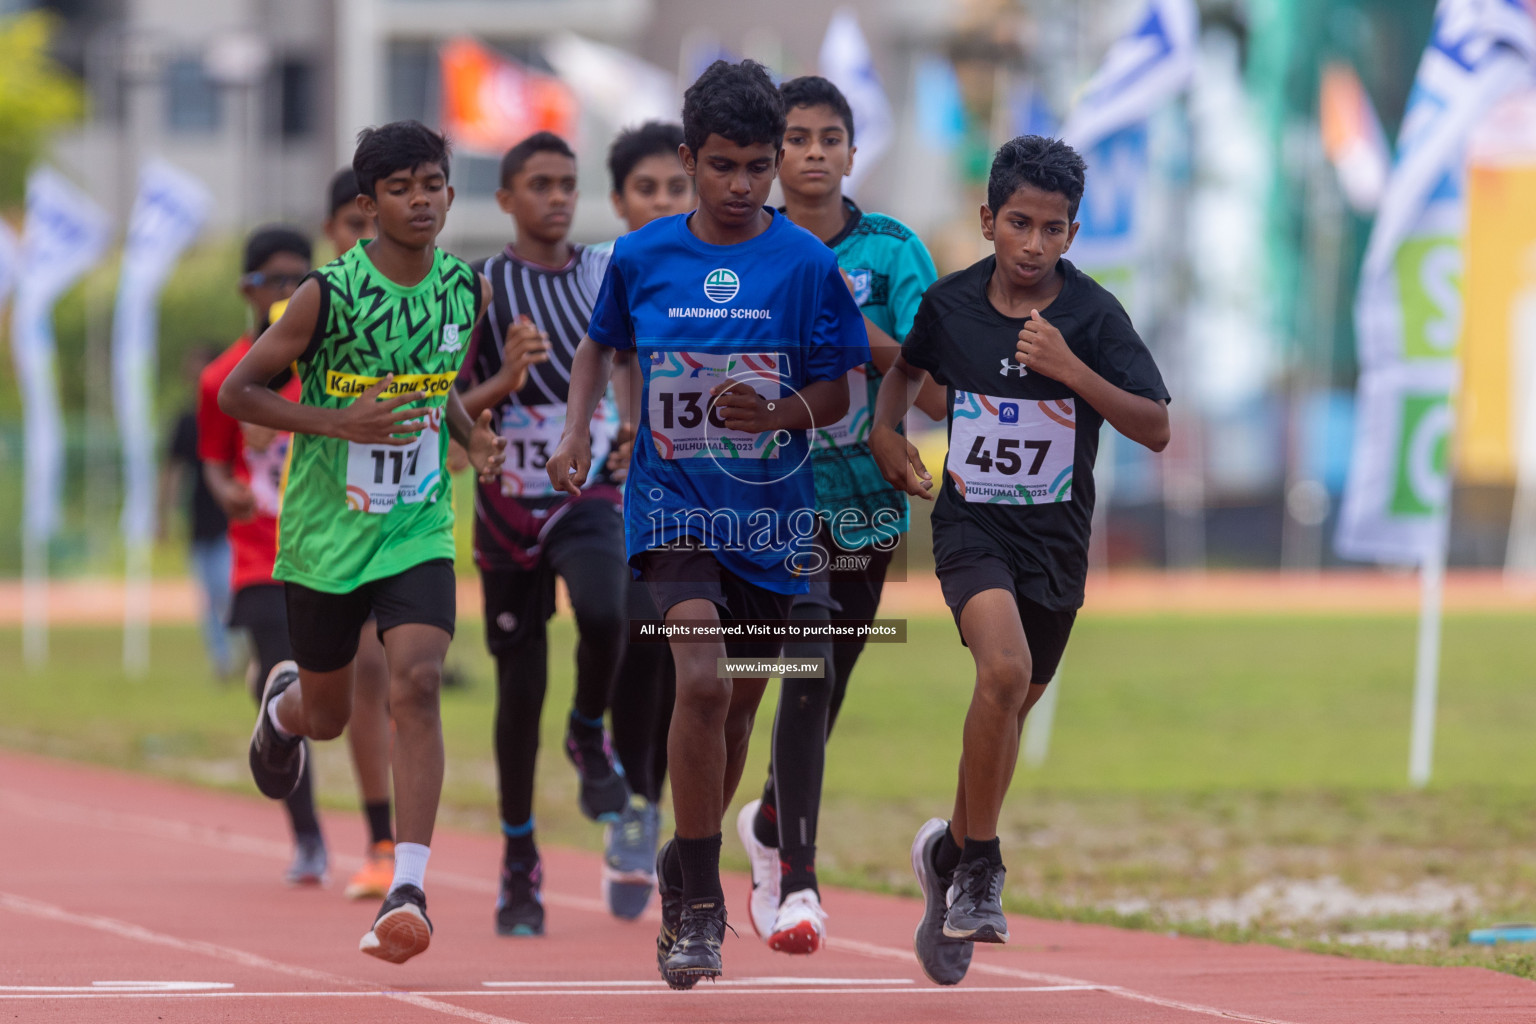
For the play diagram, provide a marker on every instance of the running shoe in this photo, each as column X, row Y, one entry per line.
column 378, row 871
column 696, row 953
column 276, row 763
column 402, row 929
column 943, row 959
column 671, row 888
column 801, row 924
column 309, row 861
column 520, row 906
column 763, row 907
column 604, row 793
column 976, row 903
column 629, row 859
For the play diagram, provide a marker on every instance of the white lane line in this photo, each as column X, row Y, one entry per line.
column 658, row 983
column 172, row 829
column 417, row 998
column 118, row 987
column 997, row 970
column 126, row 930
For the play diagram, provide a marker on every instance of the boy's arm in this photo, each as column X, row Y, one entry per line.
column 571, row 463
column 1043, row 350
column 368, row 420
column 820, row 402
column 884, row 350
column 484, row 449
column 898, row 458
column 523, row 346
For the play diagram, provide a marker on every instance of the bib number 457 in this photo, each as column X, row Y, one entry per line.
column 1001, row 455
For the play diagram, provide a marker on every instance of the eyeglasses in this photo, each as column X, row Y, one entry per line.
column 259, row 280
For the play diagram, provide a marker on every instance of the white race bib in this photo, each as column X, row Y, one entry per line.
column 685, row 423
column 266, row 468
column 854, row 426
column 1012, row 451
column 533, row 432
column 380, row 476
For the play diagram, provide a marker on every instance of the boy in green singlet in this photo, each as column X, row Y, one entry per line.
column 366, row 526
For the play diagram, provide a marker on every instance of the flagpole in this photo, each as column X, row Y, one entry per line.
column 1426, row 676
column 1037, row 726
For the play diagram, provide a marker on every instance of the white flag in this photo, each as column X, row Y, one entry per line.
column 846, row 63
column 167, row 214
column 1408, row 306
column 65, row 235
column 624, row 89
column 1143, row 69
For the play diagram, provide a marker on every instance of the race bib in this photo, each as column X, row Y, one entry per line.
column 533, row 432
column 854, row 426
column 1012, row 451
column 381, row 476
column 266, row 468
column 684, row 421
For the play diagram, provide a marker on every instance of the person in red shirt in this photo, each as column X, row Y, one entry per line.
column 243, row 466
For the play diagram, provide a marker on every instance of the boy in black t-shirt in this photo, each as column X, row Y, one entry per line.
column 1027, row 393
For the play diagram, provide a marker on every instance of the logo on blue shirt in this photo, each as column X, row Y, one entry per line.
column 721, row 285
column 1007, row 412
column 863, row 285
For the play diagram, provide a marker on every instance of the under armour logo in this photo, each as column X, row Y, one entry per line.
column 1011, row 367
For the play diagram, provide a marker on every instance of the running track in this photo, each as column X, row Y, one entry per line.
column 124, row 898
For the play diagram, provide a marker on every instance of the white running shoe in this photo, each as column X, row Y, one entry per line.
column 801, row 924
column 764, row 903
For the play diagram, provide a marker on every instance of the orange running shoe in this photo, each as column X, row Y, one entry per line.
column 378, row 871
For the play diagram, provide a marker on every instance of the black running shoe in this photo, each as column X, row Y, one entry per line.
column 976, row 903
column 276, row 763
column 604, row 793
column 520, row 907
column 670, row 886
column 401, row 930
column 696, row 953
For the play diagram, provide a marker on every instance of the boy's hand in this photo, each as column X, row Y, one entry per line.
column 524, row 346
column 370, row 420
column 487, row 450
column 622, row 451
column 1044, row 351
column 235, row 498
column 741, row 408
column 571, row 464
column 900, row 463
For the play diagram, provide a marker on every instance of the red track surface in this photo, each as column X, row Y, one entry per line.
column 125, row 898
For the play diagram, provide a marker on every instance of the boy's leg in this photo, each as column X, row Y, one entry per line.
column 416, row 617
column 368, row 738
column 586, row 549
column 517, row 607
column 260, row 611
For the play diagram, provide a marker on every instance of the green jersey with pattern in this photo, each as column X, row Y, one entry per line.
column 354, row 513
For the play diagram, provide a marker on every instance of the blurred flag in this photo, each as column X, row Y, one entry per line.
column 846, row 62
column 491, row 103
column 1408, row 307
column 10, row 261
column 939, row 106
column 1352, row 137
column 167, row 214
column 621, row 87
column 65, row 235
column 1143, row 69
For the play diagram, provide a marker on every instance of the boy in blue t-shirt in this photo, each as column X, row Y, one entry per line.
column 1027, row 395
column 745, row 331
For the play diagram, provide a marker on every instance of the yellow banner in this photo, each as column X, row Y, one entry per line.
column 350, row 385
column 1499, row 332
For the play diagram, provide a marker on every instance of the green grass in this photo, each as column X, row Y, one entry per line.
column 1194, row 759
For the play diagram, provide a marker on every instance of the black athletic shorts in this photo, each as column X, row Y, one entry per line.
column 324, row 627
column 687, row 571
column 587, row 538
column 965, row 573
column 259, row 608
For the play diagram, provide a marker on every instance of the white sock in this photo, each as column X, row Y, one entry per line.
column 410, row 865
column 272, row 717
